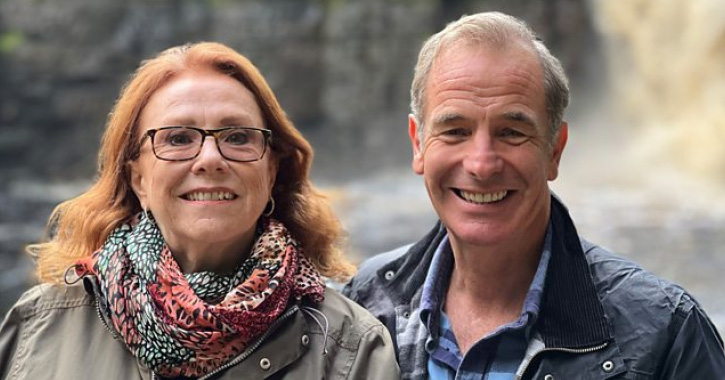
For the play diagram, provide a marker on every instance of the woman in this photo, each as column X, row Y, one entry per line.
column 209, row 246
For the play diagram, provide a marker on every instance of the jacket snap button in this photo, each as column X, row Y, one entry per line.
column 305, row 340
column 608, row 366
column 389, row 275
column 265, row 364
column 549, row 377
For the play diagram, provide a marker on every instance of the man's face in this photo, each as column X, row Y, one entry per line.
column 484, row 153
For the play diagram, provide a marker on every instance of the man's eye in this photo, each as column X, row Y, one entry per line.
column 454, row 132
column 513, row 136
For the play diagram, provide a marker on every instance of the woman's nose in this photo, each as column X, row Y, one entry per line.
column 210, row 158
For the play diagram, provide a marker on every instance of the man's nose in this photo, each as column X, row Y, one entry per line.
column 481, row 159
column 210, row 158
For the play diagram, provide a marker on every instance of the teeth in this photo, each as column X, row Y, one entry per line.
column 215, row 196
column 483, row 198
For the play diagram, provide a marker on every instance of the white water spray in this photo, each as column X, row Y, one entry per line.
column 667, row 61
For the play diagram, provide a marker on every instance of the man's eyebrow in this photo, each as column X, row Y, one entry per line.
column 519, row 117
column 448, row 118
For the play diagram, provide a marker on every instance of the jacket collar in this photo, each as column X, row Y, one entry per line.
column 409, row 270
column 572, row 316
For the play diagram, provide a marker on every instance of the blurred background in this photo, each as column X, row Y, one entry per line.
column 643, row 173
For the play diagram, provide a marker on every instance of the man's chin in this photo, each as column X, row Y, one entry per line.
column 483, row 234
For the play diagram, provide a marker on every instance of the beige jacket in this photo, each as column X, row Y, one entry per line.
column 55, row 332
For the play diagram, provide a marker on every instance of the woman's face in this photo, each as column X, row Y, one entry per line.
column 207, row 207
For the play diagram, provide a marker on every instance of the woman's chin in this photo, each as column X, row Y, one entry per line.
column 209, row 235
column 215, row 228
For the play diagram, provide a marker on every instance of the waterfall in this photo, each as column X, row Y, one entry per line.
column 666, row 62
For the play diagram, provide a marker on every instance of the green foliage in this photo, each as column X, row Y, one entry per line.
column 9, row 41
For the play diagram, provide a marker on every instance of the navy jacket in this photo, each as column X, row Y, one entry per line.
column 602, row 317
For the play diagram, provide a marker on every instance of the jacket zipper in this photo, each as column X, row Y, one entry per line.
column 561, row 349
column 100, row 315
column 97, row 300
column 254, row 345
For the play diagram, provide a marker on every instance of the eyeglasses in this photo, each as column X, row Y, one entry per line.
column 183, row 143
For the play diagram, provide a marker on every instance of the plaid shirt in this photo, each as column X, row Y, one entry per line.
column 494, row 357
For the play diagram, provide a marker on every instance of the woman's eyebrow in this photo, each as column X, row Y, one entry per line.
column 242, row 120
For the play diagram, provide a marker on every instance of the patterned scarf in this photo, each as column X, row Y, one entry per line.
column 191, row 324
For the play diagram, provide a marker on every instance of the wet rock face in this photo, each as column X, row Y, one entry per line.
column 340, row 68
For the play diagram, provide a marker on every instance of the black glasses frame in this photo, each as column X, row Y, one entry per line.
column 266, row 133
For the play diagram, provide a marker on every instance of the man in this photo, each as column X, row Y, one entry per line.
column 503, row 287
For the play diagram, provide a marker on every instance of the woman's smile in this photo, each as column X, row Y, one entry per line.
column 210, row 195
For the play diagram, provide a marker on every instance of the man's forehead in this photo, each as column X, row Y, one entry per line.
column 508, row 82
column 522, row 49
column 487, row 66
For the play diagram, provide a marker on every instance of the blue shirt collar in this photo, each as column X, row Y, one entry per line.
column 439, row 275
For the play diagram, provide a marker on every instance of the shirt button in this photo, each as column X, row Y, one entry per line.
column 265, row 364
column 305, row 340
column 389, row 275
column 549, row 377
column 608, row 366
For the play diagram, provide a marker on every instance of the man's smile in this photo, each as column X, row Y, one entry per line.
column 481, row 198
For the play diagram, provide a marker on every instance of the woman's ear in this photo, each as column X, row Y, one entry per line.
column 138, row 183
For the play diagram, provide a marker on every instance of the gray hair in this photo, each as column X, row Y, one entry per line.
column 497, row 30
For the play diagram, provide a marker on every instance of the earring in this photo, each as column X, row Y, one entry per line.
column 146, row 214
column 269, row 205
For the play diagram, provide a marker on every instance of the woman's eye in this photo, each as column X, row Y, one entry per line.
column 179, row 139
column 237, row 138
